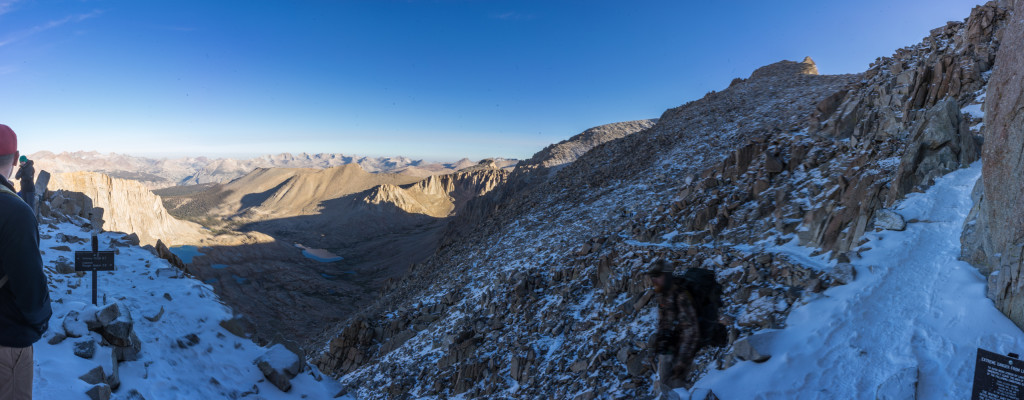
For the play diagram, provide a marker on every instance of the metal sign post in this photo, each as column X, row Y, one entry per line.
column 94, row 260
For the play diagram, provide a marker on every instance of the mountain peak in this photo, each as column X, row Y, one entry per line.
column 786, row 68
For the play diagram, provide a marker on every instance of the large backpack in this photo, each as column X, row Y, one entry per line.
column 5, row 189
column 707, row 298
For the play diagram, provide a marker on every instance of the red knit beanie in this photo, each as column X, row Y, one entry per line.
column 8, row 140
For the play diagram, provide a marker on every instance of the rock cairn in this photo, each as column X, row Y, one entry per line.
column 115, row 326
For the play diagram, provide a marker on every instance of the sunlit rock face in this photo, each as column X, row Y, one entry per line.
column 128, row 206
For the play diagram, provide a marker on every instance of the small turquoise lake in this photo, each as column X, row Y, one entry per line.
column 312, row 256
column 186, row 253
column 320, row 255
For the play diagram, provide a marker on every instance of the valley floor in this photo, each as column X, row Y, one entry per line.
column 909, row 324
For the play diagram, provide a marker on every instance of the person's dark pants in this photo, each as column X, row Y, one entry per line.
column 30, row 199
column 16, row 373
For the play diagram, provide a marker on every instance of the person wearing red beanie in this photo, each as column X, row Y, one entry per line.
column 24, row 299
column 8, row 142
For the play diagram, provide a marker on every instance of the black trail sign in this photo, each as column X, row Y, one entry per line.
column 98, row 261
column 94, row 260
column 997, row 377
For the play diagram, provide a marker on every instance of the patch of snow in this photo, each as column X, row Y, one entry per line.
column 974, row 110
column 279, row 357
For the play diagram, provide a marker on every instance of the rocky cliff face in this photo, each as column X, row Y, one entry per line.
column 127, row 206
column 993, row 238
column 544, row 295
column 439, row 196
column 904, row 117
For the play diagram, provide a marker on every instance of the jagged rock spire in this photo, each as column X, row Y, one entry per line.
column 812, row 68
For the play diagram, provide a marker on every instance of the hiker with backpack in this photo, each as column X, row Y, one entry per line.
column 687, row 319
column 24, row 298
column 27, row 175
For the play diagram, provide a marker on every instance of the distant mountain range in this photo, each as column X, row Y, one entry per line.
column 165, row 172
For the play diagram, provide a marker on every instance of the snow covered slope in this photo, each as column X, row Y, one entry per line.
column 909, row 324
column 172, row 364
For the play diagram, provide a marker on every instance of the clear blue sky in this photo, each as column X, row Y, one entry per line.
column 428, row 79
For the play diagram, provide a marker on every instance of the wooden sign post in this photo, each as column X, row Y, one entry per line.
column 94, row 260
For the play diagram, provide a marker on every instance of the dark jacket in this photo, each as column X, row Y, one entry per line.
column 27, row 175
column 24, row 299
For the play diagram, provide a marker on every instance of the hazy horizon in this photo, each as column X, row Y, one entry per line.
column 241, row 156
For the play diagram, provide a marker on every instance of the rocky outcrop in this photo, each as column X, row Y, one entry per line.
column 279, row 365
column 994, row 233
column 754, row 347
column 127, row 206
column 950, row 62
column 903, row 116
column 531, row 174
column 439, row 196
column 165, row 253
column 825, row 189
column 785, row 69
column 557, row 155
column 940, row 143
column 115, row 325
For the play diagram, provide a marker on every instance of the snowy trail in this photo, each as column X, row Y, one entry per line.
column 914, row 313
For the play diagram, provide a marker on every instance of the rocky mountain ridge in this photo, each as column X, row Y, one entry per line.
column 267, row 193
column 548, row 288
column 555, row 156
column 158, row 173
column 439, row 196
